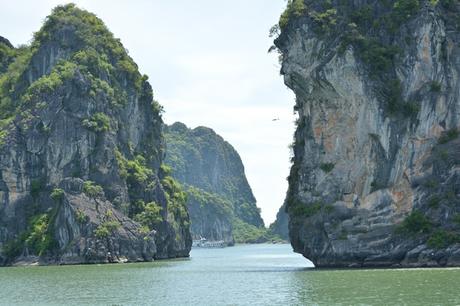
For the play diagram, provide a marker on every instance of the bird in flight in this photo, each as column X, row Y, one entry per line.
column 276, row 119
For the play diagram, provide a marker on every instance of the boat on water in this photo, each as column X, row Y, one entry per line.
column 204, row 243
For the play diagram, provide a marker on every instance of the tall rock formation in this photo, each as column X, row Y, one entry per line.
column 81, row 149
column 375, row 179
column 213, row 173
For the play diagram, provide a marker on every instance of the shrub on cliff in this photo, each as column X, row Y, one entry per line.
column 40, row 237
column 293, row 8
column 98, row 122
column 135, row 170
column 63, row 71
column 57, row 194
column 297, row 208
column 416, row 223
column 106, row 229
column 175, row 196
column 150, row 216
column 441, row 239
column 92, row 190
column 327, row 167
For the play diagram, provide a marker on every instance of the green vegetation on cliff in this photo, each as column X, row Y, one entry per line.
column 248, row 233
column 176, row 198
column 38, row 238
column 206, row 199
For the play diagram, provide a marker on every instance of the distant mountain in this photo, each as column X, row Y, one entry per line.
column 221, row 202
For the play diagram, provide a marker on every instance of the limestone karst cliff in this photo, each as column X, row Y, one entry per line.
column 220, row 200
column 81, row 151
column 375, row 179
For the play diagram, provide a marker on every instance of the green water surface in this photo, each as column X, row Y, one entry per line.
column 241, row 275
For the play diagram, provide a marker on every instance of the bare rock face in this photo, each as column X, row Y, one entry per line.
column 81, row 149
column 375, row 176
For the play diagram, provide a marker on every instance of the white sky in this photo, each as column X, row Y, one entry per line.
column 208, row 65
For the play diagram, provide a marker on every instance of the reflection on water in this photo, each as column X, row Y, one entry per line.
column 242, row 275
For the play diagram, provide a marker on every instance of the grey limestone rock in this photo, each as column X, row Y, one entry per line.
column 375, row 176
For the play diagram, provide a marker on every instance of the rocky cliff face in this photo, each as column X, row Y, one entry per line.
column 375, row 176
column 217, row 186
column 81, row 149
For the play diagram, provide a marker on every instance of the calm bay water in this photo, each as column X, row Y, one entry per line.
column 242, row 275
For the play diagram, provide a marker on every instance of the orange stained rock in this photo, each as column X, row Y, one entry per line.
column 426, row 49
